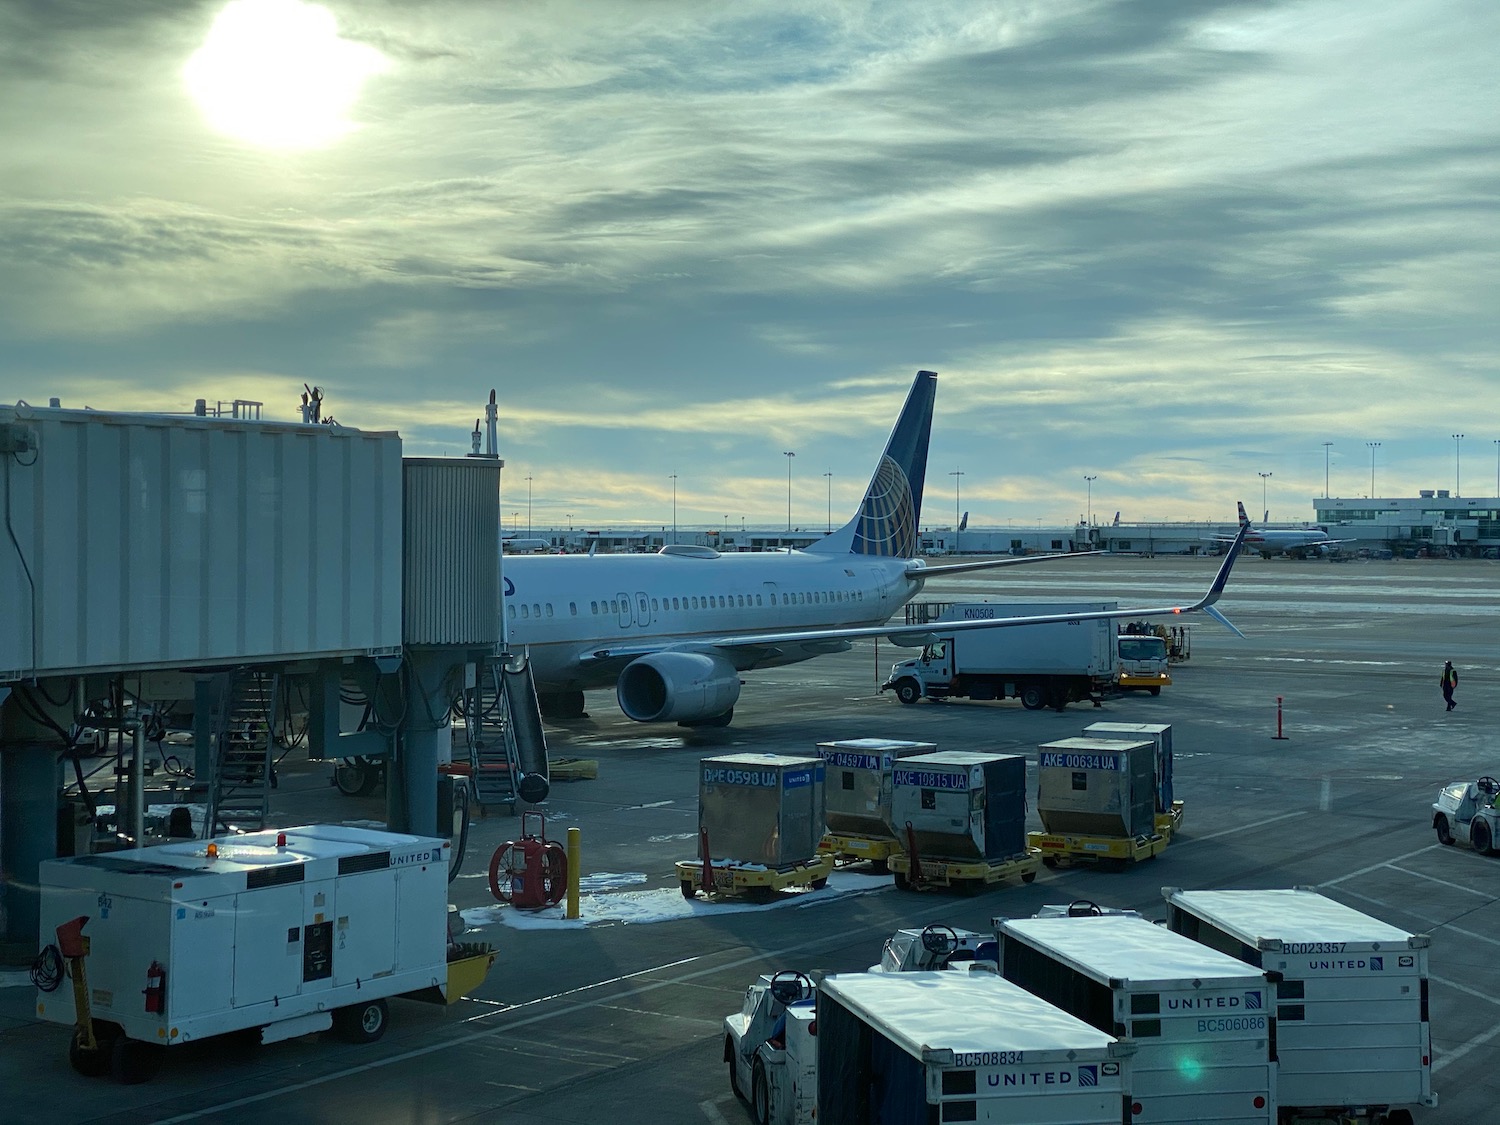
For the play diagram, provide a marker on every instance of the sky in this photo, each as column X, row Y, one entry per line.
column 1169, row 245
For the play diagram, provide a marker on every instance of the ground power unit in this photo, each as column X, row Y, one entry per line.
column 289, row 931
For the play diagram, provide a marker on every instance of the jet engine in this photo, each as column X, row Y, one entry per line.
column 682, row 686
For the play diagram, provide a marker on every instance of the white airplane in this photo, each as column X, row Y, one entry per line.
column 673, row 631
column 1272, row 540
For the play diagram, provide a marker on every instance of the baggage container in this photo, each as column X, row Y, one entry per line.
column 858, row 791
column 1200, row 1019
column 961, row 805
column 1160, row 734
column 1098, row 787
column 914, row 1048
column 761, row 808
column 1351, row 1010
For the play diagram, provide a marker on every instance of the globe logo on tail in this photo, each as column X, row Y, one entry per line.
column 887, row 519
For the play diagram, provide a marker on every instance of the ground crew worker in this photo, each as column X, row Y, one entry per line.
column 1449, row 682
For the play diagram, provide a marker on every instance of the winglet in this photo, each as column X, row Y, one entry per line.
column 1222, row 577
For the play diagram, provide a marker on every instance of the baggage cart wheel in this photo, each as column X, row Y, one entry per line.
column 89, row 1062
column 1479, row 836
column 1399, row 1117
column 760, row 894
column 902, row 882
column 361, row 1023
column 760, row 1094
column 1028, row 877
column 132, row 1062
column 819, row 884
column 1444, row 833
column 689, row 891
column 1049, row 861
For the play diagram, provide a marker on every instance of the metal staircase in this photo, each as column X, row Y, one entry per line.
column 239, row 788
column 494, row 764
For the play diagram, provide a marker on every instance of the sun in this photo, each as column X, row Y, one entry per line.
column 275, row 73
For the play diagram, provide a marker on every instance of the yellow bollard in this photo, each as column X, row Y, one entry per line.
column 575, row 838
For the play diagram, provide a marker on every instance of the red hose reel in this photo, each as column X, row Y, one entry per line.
column 531, row 872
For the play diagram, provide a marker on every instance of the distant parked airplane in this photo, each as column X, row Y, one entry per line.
column 673, row 631
column 1270, row 541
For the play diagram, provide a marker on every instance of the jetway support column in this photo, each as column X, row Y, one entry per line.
column 30, row 780
column 425, row 740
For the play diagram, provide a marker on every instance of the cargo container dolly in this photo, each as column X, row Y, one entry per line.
column 1169, row 811
column 911, row 871
column 282, row 933
column 764, row 814
column 1099, row 799
column 858, row 790
column 753, row 881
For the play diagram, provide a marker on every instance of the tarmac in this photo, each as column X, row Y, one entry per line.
column 618, row 1016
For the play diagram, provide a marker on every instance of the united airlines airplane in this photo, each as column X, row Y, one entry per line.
column 672, row 632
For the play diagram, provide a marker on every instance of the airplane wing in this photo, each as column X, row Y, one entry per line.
column 931, row 570
column 754, row 646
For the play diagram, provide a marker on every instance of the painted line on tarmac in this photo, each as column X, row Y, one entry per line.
column 1377, row 866
column 1441, row 882
column 1244, row 827
column 1464, row 1048
column 711, row 1111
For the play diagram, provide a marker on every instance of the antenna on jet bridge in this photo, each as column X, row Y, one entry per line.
column 474, row 440
column 490, row 414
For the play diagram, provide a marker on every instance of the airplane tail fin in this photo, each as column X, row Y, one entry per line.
column 1244, row 519
column 886, row 524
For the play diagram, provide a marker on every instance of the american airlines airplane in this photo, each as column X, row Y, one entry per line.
column 673, row 631
column 1270, row 541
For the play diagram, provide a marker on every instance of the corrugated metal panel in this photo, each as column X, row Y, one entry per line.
column 166, row 541
column 452, row 550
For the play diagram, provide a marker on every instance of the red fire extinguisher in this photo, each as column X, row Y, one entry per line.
column 156, row 989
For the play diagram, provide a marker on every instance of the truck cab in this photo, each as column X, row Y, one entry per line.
column 1143, row 659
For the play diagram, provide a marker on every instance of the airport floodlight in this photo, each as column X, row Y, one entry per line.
column 789, row 454
column 674, row 507
column 1457, row 441
column 1263, row 508
column 957, row 475
column 1327, row 448
column 829, row 475
column 1374, row 445
column 1088, row 507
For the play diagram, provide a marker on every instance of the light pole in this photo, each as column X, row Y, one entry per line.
column 829, row 475
column 1457, row 491
column 528, row 507
column 1374, row 445
column 957, row 475
column 1327, row 446
column 1497, row 466
column 1089, row 506
column 570, row 521
column 674, row 507
column 1263, row 506
column 515, row 521
column 789, row 455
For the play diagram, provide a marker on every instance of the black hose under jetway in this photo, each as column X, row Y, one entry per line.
column 526, row 722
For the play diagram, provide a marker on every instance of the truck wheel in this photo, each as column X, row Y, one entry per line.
column 908, row 691
column 132, row 1062
column 760, row 1094
column 361, row 1023
column 89, row 1062
column 1156, row 691
column 1444, row 833
column 1033, row 698
column 1479, row 836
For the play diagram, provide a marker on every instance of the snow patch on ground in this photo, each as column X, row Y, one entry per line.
column 664, row 904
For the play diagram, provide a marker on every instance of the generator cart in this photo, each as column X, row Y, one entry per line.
column 280, row 932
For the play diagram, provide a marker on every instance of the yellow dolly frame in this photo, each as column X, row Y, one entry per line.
column 910, row 871
column 752, row 881
column 859, row 849
column 1057, row 849
column 1169, row 824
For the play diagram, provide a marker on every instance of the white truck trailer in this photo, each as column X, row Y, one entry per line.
column 288, row 932
column 1201, row 1020
column 1352, row 1030
column 1042, row 665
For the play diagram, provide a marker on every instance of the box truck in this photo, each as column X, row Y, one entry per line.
column 1041, row 665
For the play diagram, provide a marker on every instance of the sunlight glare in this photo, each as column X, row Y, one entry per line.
column 276, row 74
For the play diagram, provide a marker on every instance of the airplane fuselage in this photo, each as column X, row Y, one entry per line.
column 566, row 609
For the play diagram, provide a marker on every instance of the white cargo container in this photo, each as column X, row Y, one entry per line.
column 1352, row 1027
column 1200, row 1019
column 913, row 1048
column 169, row 541
column 290, row 932
column 1042, row 665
